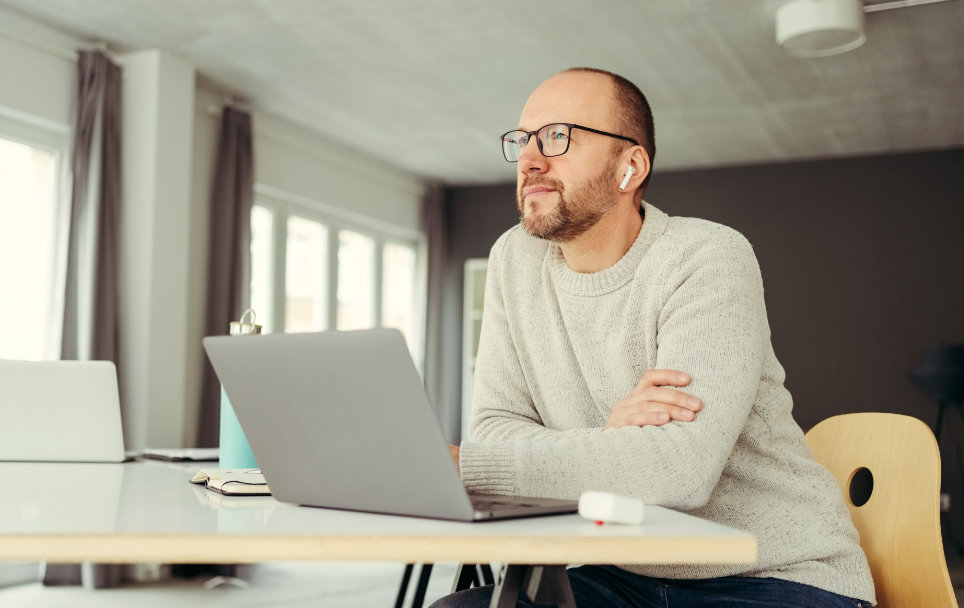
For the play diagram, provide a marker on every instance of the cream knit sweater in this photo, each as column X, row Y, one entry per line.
column 559, row 348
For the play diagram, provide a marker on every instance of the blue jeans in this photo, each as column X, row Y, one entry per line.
column 611, row 587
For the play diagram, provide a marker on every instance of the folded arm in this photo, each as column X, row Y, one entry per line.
column 712, row 324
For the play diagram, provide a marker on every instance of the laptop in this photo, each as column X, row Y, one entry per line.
column 340, row 420
column 60, row 411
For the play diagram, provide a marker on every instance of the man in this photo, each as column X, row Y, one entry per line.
column 591, row 306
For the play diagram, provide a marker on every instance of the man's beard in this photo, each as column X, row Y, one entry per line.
column 574, row 214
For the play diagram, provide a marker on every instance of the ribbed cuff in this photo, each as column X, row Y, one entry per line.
column 488, row 468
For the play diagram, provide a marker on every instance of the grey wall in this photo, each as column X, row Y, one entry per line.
column 863, row 266
column 475, row 217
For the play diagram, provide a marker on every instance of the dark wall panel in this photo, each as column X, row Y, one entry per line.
column 862, row 265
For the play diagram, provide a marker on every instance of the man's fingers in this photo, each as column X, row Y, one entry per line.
column 672, row 397
column 663, row 377
column 637, row 418
column 648, row 419
column 656, row 401
column 649, row 415
column 454, row 452
column 670, row 412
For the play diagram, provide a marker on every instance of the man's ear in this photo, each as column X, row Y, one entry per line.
column 636, row 170
column 643, row 166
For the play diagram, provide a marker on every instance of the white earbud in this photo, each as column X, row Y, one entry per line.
column 627, row 177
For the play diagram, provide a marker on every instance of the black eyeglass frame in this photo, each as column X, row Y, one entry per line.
column 569, row 125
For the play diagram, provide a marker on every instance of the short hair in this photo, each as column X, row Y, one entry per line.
column 635, row 116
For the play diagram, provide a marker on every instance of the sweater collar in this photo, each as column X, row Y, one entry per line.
column 617, row 275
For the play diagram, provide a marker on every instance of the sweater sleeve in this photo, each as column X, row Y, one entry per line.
column 709, row 320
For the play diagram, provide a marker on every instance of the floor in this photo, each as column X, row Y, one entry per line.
column 287, row 585
column 284, row 585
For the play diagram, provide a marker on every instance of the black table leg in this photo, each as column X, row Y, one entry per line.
column 419, row 598
column 403, row 586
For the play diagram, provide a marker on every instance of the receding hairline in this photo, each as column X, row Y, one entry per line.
column 604, row 76
column 632, row 109
column 609, row 77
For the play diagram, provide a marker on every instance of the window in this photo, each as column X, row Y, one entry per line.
column 33, row 221
column 315, row 268
column 259, row 296
column 356, row 280
column 398, row 288
column 306, row 275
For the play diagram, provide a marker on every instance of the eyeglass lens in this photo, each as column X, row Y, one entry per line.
column 553, row 140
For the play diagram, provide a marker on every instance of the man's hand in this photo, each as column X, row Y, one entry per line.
column 454, row 451
column 652, row 404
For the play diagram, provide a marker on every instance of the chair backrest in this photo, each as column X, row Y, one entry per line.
column 897, row 513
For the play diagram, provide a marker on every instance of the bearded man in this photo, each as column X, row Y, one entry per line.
column 599, row 311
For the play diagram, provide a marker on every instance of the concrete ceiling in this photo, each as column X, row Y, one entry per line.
column 428, row 85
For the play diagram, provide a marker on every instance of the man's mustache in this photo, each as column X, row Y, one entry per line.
column 540, row 180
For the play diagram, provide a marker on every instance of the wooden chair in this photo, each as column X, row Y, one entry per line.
column 897, row 510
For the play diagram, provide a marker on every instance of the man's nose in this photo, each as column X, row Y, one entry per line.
column 531, row 160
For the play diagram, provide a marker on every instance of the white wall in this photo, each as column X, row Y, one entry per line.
column 315, row 169
column 37, row 72
column 163, row 386
column 158, row 108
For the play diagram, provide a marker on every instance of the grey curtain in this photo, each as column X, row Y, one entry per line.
column 433, row 224
column 90, row 329
column 229, row 249
column 90, row 324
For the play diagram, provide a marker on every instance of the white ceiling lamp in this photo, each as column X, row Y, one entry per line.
column 818, row 28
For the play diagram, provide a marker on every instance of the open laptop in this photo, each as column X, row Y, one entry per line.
column 340, row 419
column 60, row 411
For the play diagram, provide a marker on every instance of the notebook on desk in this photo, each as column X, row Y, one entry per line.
column 341, row 420
column 60, row 411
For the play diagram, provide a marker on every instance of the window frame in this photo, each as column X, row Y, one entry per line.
column 282, row 205
column 55, row 138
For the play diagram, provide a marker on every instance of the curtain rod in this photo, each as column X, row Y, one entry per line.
column 215, row 109
column 102, row 46
column 73, row 54
column 884, row 6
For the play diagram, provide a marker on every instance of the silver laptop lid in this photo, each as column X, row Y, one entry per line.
column 60, row 411
column 340, row 419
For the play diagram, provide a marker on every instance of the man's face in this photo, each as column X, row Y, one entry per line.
column 561, row 197
column 574, row 212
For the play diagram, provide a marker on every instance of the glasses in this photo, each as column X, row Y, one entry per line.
column 553, row 140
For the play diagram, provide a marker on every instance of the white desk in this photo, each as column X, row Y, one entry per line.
column 148, row 512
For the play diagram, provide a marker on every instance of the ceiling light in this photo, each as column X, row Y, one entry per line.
column 817, row 28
